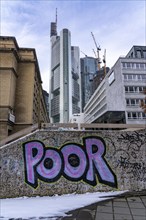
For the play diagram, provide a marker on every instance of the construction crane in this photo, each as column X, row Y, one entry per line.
column 98, row 49
column 83, row 53
column 95, row 53
column 104, row 61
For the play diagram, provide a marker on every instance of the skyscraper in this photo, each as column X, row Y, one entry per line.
column 88, row 72
column 65, row 77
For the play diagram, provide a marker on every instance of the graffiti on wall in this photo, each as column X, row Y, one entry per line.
column 128, row 154
column 137, row 170
column 73, row 161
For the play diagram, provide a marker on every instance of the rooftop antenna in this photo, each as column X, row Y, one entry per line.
column 56, row 20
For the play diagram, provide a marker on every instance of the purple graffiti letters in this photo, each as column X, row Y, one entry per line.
column 41, row 163
column 73, row 161
column 97, row 164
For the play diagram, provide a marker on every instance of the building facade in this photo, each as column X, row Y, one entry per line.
column 88, row 72
column 21, row 99
column 118, row 97
column 65, row 77
column 46, row 98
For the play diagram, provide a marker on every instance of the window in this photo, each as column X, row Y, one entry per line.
column 132, row 102
column 140, row 89
column 126, row 89
column 134, row 77
column 137, row 101
column 144, row 54
column 111, row 78
column 131, row 89
column 127, row 102
column 130, row 77
column 143, row 77
column 135, row 89
column 139, row 77
column 124, row 65
column 136, row 115
column 138, row 54
column 142, row 66
column 134, row 65
column 128, row 65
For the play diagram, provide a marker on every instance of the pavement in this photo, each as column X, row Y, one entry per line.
column 128, row 206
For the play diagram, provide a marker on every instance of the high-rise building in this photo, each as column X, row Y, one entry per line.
column 118, row 97
column 65, row 77
column 21, row 99
column 88, row 72
column 46, row 98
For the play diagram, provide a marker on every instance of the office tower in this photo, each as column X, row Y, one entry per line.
column 65, row 77
column 46, row 98
column 118, row 97
column 88, row 72
column 21, row 100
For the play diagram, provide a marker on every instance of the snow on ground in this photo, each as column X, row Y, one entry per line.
column 36, row 207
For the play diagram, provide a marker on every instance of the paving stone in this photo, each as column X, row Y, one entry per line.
column 104, row 216
column 139, row 212
column 107, row 209
column 120, row 204
column 108, row 204
column 121, row 210
column 134, row 199
column 84, row 215
column 136, row 205
column 135, row 217
column 122, row 217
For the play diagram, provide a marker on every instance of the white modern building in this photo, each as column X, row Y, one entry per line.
column 117, row 99
column 65, row 77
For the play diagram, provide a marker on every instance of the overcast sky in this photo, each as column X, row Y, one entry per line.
column 117, row 26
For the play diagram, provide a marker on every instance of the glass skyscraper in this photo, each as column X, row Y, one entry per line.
column 88, row 72
column 65, row 77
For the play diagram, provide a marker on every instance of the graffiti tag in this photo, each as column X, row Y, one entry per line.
column 138, row 170
column 73, row 161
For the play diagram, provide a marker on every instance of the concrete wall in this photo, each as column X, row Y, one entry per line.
column 61, row 162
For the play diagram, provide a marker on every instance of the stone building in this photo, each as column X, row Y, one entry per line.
column 21, row 96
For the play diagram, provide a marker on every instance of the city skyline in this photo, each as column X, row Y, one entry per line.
column 117, row 26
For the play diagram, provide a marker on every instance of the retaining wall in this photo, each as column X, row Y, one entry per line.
column 61, row 162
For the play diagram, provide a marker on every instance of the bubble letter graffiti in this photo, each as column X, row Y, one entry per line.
column 73, row 161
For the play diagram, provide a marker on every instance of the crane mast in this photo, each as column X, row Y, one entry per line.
column 98, row 49
column 83, row 53
column 104, row 61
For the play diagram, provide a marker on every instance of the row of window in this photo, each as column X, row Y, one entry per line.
column 136, row 115
column 133, row 65
column 95, row 95
column 134, row 102
column 134, row 89
column 134, row 77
